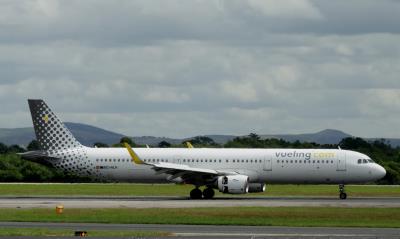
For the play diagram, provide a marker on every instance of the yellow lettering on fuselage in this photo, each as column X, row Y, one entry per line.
column 324, row 155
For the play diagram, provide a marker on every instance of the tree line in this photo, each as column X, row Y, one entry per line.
column 15, row 169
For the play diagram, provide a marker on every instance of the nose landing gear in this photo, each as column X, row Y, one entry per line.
column 342, row 193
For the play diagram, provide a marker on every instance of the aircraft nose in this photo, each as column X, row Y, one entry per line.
column 380, row 172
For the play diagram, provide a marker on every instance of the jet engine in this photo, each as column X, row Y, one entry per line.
column 256, row 187
column 233, row 184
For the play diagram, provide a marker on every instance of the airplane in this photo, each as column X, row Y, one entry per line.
column 231, row 171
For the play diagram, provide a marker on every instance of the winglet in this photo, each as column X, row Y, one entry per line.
column 133, row 155
column 189, row 145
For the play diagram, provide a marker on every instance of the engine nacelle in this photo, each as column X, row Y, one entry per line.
column 233, row 184
column 256, row 187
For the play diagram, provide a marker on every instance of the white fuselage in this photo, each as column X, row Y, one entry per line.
column 330, row 166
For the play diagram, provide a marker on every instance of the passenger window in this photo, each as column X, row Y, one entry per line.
column 295, row 161
column 300, row 161
column 359, row 161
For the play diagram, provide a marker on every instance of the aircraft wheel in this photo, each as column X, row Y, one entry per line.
column 208, row 193
column 195, row 194
column 342, row 192
column 343, row 195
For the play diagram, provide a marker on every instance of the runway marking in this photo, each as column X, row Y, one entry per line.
column 190, row 234
column 176, row 202
column 225, row 231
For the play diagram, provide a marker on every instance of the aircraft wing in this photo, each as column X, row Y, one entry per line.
column 185, row 172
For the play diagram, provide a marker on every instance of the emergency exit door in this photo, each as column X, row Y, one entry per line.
column 267, row 163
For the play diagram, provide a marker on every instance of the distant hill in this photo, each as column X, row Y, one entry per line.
column 328, row 136
column 88, row 135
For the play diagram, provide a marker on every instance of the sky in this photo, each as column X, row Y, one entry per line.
column 180, row 68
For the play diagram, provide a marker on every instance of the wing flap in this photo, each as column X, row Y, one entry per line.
column 187, row 173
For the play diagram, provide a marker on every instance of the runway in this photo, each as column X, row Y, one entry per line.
column 210, row 231
column 184, row 202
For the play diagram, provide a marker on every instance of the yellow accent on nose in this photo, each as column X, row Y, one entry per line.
column 46, row 118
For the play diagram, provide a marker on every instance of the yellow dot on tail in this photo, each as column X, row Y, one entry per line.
column 46, row 118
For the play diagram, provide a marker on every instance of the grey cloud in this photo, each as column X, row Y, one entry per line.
column 195, row 67
column 105, row 23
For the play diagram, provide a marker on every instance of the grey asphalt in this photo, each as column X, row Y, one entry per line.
column 184, row 202
column 210, row 231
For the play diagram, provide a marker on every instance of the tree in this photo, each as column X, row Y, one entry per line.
column 15, row 149
column 254, row 136
column 100, row 145
column 202, row 141
column 3, row 148
column 33, row 145
column 127, row 140
column 164, row 144
column 354, row 143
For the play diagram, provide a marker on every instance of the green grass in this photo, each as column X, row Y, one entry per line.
column 125, row 189
column 40, row 232
column 277, row 216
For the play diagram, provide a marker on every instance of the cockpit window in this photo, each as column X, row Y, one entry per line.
column 363, row 161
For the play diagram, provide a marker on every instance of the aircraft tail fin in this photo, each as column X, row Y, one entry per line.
column 50, row 132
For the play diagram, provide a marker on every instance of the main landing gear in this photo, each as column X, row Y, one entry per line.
column 342, row 193
column 207, row 193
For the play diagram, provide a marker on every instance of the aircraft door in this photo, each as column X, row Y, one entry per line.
column 267, row 163
column 177, row 159
column 341, row 161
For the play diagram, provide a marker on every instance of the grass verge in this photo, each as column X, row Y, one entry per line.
column 41, row 232
column 125, row 189
column 278, row 216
